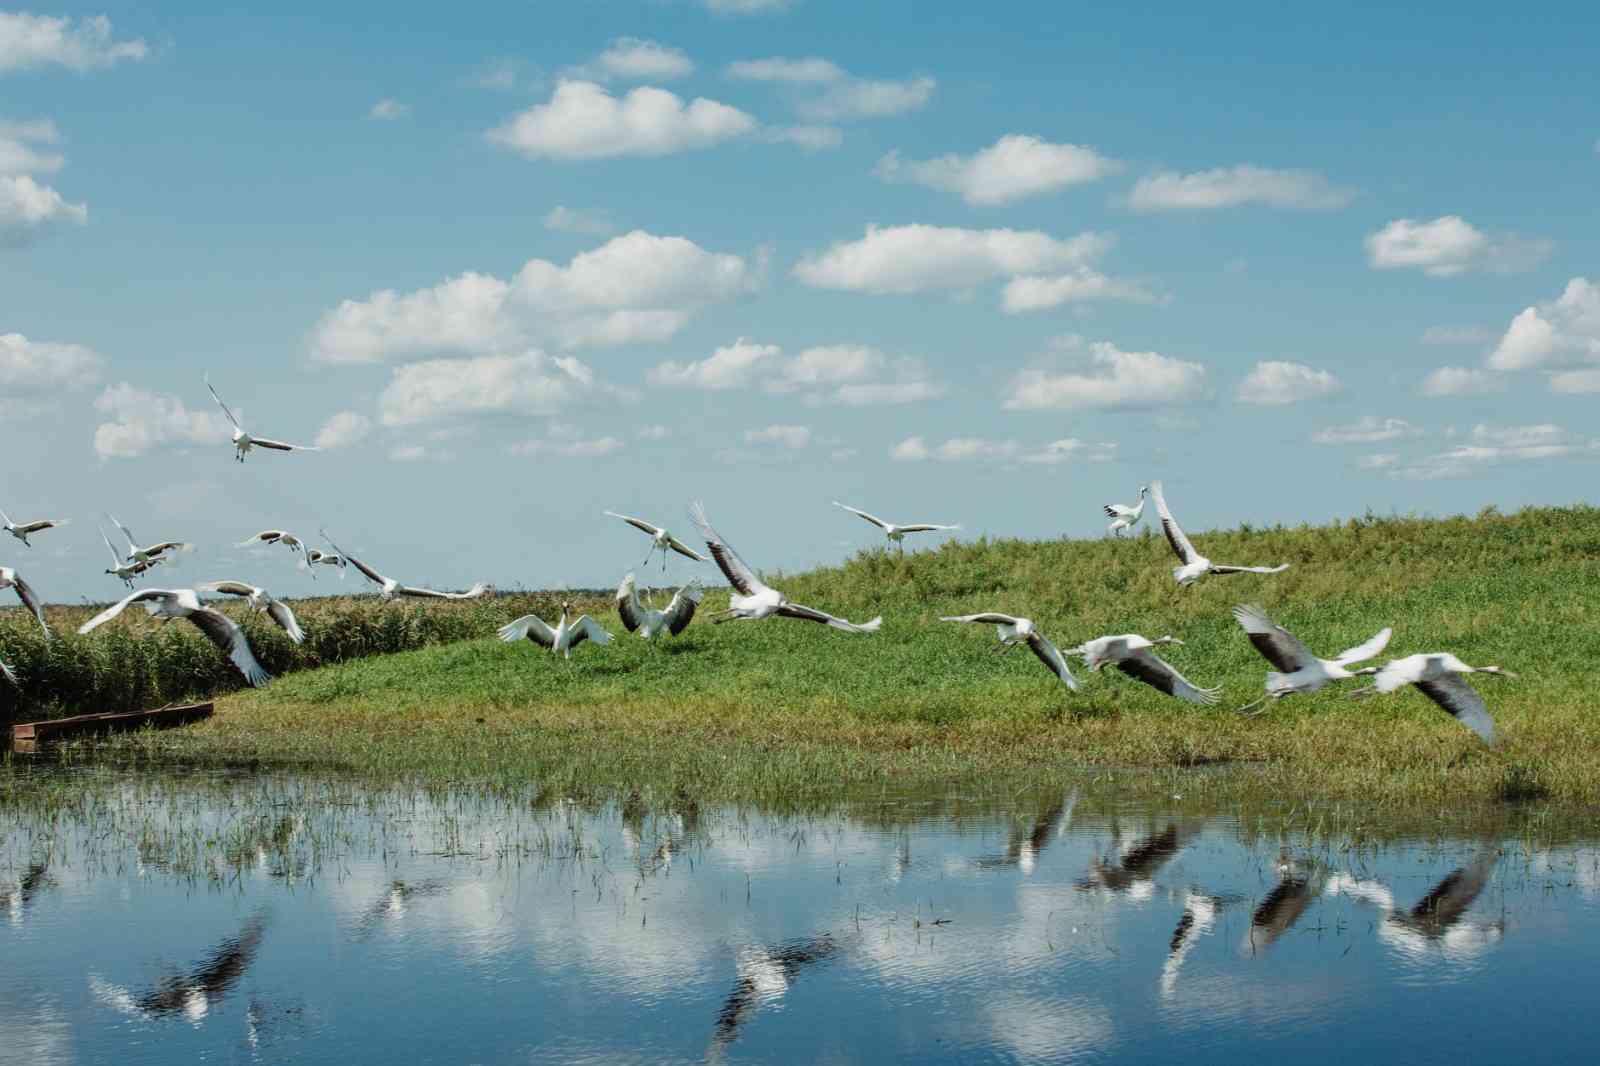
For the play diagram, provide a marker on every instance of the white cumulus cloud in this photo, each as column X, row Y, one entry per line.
column 584, row 121
column 388, row 110
column 919, row 258
column 1562, row 331
column 1236, row 186
column 1043, row 292
column 1275, row 383
column 636, row 59
column 529, row 384
column 983, row 449
column 142, row 421
column 635, row 288
column 568, row 442
column 1114, row 378
column 1576, row 382
column 29, row 41
column 792, row 437
column 807, row 138
column 1369, row 429
column 343, row 430
column 1450, row 245
column 28, row 207
column 588, row 220
column 44, row 365
column 1015, row 167
column 851, row 375
column 1492, row 445
column 732, row 366
column 811, row 70
column 1461, row 381
column 833, row 94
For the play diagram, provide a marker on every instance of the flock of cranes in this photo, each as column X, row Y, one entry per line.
column 1439, row 676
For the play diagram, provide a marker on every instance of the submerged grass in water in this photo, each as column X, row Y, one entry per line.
column 783, row 707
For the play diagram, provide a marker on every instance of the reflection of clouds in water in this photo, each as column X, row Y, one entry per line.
column 1039, row 1028
column 18, row 896
column 35, row 1031
column 1575, row 866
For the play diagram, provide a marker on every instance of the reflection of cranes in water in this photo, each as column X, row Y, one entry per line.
column 1199, row 917
column 1023, row 851
column 1300, row 882
column 1135, row 868
column 764, row 976
column 391, row 906
column 1435, row 922
column 17, row 899
column 193, row 993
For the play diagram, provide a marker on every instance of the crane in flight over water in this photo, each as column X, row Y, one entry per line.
column 389, row 588
column 1440, row 677
column 243, row 442
column 1194, row 566
column 894, row 532
column 169, row 604
column 1015, row 631
column 650, row 623
column 562, row 639
column 10, row 579
column 662, row 539
column 23, row 530
column 1132, row 654
column 1298, row 669
column 1124, row 517
column 752, row 599
column 260, row 601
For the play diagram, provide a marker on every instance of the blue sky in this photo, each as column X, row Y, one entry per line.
column 514, row 265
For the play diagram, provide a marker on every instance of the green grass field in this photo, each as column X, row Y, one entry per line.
column 762, row 709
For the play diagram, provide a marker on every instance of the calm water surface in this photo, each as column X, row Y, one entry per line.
column 259, row 920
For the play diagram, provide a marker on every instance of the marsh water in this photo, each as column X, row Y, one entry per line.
column 160, row 918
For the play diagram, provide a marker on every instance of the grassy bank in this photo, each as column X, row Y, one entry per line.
column 136, row 661
column 785, row 708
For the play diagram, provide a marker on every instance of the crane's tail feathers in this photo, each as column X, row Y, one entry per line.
column 872, row 626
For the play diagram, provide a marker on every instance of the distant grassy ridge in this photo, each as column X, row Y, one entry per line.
column 751, row 708
column 134, row 661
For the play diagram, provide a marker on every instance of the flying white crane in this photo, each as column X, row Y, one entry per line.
column 1301, row 671
column 315, row 558
column 1438, row 675
column 1125, row 517
column 1195, row 566
column 137, row 554
column 22, row 530
column 562, row 639
column 1015, row 631
column 10, row 579
column 751, row 598
column 168, row 604
column 660, row 539
column 120, row 567
column 275, row 536
column 1130, row 653
column 389, row 588
column 650, row 623
column 262, row 602
column 895, row 533
column 243, row 442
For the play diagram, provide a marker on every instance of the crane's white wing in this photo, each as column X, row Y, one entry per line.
column 528, row 627
column 44, row 524
column 1463, row 702
column 30, row 600
column 228, row 588
column 1363, row 652
column 1169, row 525
column 1117, row 510
column 131, row 542
column 811, row 614
column 222, row 405
column 280, row 613
column 116, row 560
column 421, row 593
column 227, row 634
column 874, row 519
column 987, row 616
column 636, row 523
column 586, row 628
column 683, row 549
column 1276, row 644
column 735, row 569
column 1215, row 569
column 168, row 546
column 628, row 608
column 1150, row 668
column 280, row 446
column 1052, row 658
column 142, row 596
column 680, row 611
column 925, row 527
